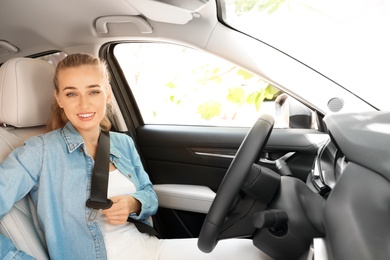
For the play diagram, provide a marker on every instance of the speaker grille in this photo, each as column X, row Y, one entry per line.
column 335, row 104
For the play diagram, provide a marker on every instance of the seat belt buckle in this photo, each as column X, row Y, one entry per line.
column 97, row 207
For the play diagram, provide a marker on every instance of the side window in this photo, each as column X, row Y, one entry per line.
column 178, row 85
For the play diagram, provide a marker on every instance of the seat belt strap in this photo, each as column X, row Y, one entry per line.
column 99, row 184
column 143, row 228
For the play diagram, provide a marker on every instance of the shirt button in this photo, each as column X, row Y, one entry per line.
column 81, row 150
column 129, row 175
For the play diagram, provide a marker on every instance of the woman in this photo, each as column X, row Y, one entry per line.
column 56, row 169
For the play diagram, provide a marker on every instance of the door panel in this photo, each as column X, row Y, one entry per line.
column 196, row 155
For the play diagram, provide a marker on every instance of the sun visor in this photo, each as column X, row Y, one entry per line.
column 169, row 11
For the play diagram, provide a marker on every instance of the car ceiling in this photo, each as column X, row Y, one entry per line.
column 33, row 27
column 69, row 26
column 62, row 25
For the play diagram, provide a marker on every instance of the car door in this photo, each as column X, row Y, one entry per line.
column 187, row 139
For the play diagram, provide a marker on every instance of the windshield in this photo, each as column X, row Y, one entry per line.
column 345, row 41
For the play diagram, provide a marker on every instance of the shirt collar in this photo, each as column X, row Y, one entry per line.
column 113, row 151
column 73, row 140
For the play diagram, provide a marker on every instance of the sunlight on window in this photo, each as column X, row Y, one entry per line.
column 178, row 85
column 325, row 35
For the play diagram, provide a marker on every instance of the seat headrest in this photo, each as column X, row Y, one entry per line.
column 26, row 92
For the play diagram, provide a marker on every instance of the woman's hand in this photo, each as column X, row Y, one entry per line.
column 122, row 207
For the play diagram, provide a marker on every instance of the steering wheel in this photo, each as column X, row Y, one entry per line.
column 248, row 153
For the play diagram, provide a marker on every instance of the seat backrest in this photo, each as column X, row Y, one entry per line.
column 26, row 95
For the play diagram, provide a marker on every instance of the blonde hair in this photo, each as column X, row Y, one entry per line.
column 58, row 118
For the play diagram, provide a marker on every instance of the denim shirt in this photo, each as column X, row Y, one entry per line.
column 56, row 170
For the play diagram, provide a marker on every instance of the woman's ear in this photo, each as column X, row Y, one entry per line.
column 109, row 94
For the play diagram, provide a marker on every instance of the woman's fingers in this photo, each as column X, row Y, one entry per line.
column 121, row 208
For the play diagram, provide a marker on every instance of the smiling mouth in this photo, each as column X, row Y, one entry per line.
column 86, row 115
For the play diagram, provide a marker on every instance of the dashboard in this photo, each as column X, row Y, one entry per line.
column 352, row 173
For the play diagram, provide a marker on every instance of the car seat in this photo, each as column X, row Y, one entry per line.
column 26, row 95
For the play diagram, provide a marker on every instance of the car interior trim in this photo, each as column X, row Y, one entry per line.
column 101, row 25
column 284, row 158
column 194, row 198
column 215, row 155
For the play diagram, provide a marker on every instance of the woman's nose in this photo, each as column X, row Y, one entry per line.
column 83, row 101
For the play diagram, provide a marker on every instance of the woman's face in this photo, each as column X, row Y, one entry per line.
column 83, row 95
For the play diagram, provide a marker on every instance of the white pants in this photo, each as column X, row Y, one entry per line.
column 228, row 249
column 129, row 243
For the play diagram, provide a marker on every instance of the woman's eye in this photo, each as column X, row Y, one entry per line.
column 95, row 92
column 70, row 94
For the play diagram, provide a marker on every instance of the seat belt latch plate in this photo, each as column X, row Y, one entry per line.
column 96, row 207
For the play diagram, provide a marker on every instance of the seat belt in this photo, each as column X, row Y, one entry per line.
column 99, row 185
column 99, row 182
